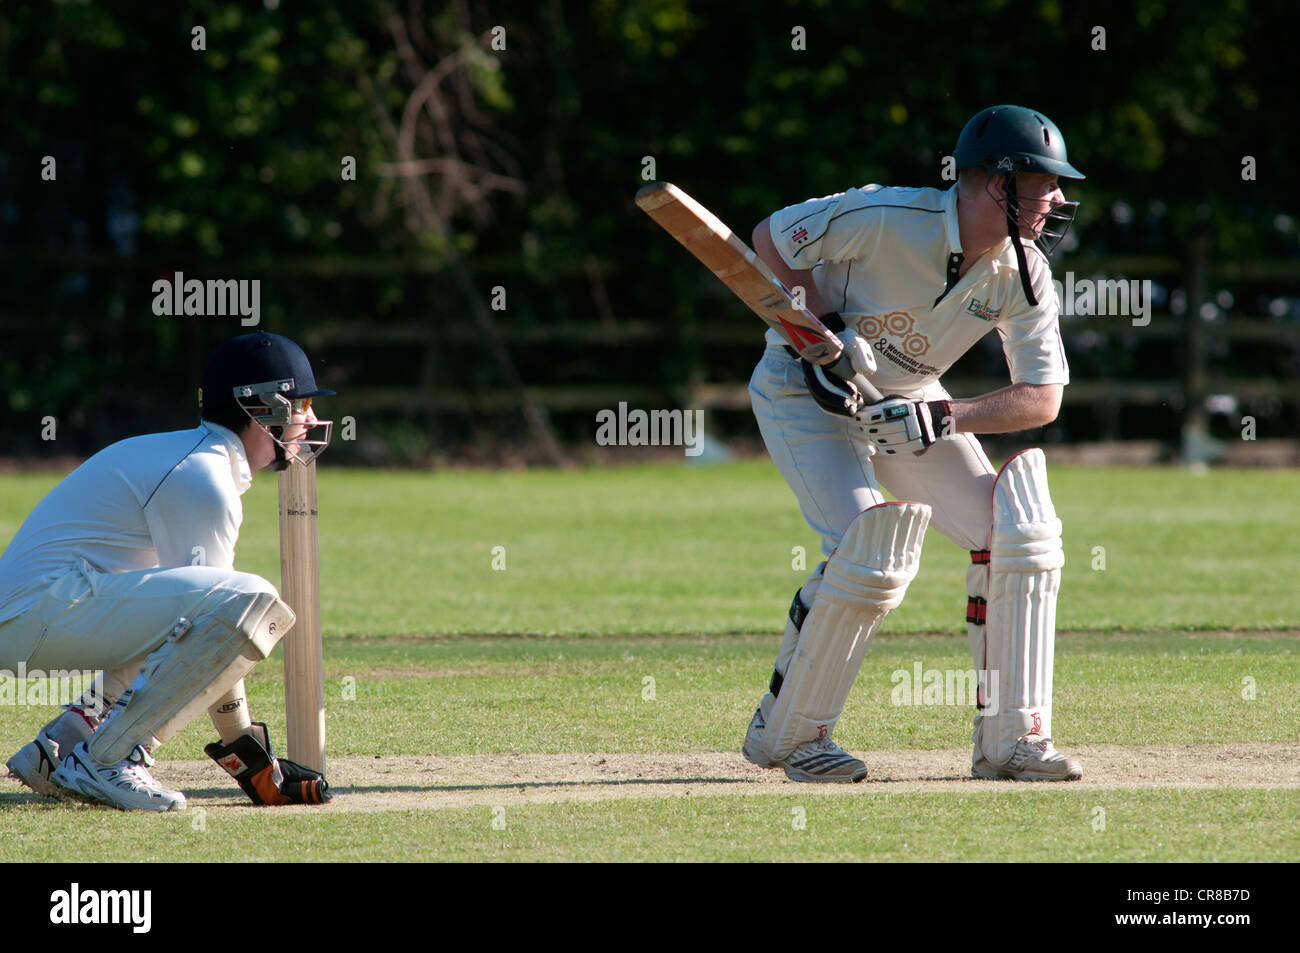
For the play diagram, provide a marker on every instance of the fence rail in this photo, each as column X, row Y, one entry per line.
column 417, row 359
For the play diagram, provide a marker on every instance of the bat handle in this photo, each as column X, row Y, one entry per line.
column 845, row 369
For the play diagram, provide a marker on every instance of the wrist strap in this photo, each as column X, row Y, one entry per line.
column 940, row 410
column 834, row 323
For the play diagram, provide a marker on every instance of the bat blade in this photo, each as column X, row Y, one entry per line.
column 706, row 237
column 304, row 672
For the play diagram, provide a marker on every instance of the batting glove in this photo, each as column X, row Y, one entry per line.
column 835, row 389
column 896, row 423
column 265, row 778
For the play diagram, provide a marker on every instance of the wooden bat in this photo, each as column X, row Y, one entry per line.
column 304, row 671
column 706, row 237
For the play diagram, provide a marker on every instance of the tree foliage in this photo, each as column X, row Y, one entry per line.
column 511, row 137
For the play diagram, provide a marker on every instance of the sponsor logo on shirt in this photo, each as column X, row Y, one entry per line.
column 983, row 310
column 907, row 346
column 800, row 236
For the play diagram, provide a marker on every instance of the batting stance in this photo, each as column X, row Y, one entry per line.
column 126, row 566
column 910, row 279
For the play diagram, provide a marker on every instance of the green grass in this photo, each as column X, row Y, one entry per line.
column 852, row 824
column 564, row 694
column 506, row 696
column 673, row 549
column 682, row 575
column 571, row 694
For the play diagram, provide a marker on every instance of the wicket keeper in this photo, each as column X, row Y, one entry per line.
column 127, row 567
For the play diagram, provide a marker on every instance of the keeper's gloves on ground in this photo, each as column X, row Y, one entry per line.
column 265, row 778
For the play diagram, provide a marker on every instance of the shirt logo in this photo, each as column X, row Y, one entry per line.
column 800, row 236
column 983, row 309
column 894, row 337
column 897, row 324
column 232, row 764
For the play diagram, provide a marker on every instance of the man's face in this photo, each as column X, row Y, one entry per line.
column 305, row 416
column 260, row 445
column 1038, row 193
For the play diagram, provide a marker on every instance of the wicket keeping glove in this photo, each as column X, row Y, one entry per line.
column 835, row 390
column 265, row 778
column 896, row 423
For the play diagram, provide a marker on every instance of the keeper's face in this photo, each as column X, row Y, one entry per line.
column 303, row 415
column 297, row 438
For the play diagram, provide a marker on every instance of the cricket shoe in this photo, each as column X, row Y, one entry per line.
column 1034, row 759
column 34, row 763
column 824, row 761
column 127, row 785
column 753, row 747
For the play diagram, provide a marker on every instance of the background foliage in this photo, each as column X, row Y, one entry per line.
column 520, row 167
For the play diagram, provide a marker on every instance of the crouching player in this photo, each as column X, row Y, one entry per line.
column 127, row 567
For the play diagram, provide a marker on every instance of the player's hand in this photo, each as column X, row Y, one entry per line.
column 265, row 778
column 896, row 424
column 835, row 388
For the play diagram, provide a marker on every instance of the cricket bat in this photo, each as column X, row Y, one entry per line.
column 304, row 671
column 706, row 237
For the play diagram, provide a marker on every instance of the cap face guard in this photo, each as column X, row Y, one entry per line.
column 1056, row 222
column 1053, row 218
column 269, row 405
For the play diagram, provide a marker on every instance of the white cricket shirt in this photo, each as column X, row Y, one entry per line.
column 165, row 499
column 884, row 258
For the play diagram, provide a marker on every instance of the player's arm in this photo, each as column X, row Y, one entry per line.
column 1017, row 407
column 901, row 424
column 765, row 248
column 841, row 390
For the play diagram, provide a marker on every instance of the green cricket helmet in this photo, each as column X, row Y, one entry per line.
column 1005, row 140
column 1013, row 139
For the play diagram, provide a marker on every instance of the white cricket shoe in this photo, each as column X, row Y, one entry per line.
column 1034, row 759
column 127, row 785
column 823, row 761
column 34, row 763
column 753, row 747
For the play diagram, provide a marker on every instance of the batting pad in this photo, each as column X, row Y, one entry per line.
column 197, row 664
column 1020, row 629
column 977, row 600
column 865, row 577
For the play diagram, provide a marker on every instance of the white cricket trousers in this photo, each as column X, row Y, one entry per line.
column 830, row 465
column 94, row 620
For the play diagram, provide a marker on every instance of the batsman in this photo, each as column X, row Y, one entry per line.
column 127, row 568
column 910, row 279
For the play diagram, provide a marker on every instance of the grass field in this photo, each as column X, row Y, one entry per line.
column 586, row 698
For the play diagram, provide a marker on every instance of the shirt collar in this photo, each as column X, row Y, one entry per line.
column 950, row 219
column 1002, row 258
column 239, row 469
